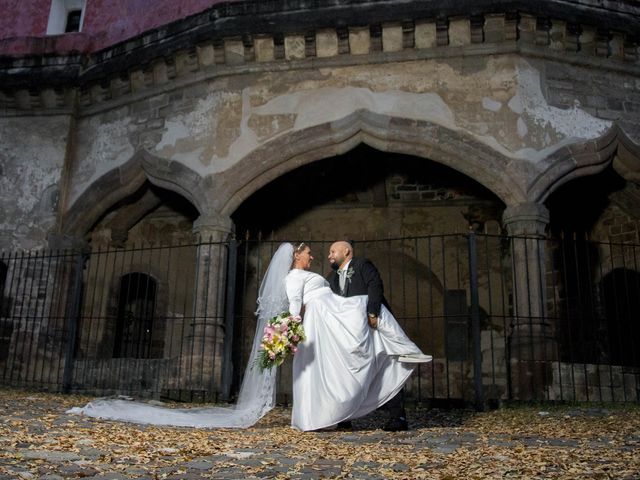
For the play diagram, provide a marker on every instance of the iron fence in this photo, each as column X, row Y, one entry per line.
column 505, row 318
column 147, row 320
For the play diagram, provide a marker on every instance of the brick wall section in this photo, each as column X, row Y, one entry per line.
column 606, row 96
column 621, row 227
column 405, row 189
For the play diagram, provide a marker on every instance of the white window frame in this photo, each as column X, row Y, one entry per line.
column 59, row 12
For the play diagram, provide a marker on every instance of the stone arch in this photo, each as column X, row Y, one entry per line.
column 627, row 159
column 390, row 134
column 587, row 158
column 126, row 179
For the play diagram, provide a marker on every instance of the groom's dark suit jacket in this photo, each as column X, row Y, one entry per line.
column 365, row 280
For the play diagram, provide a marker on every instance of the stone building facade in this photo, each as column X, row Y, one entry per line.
column 382, row 118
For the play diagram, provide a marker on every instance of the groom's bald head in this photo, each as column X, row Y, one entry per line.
column 340, row 253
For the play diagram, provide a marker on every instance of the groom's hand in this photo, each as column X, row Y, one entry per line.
column 373, row 320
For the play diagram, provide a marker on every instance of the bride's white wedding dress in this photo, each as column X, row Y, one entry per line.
column 344, row 369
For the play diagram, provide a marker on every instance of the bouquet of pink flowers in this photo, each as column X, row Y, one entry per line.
column 282, row 334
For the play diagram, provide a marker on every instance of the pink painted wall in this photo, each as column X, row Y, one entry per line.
column 23, row 23
column 23, row 17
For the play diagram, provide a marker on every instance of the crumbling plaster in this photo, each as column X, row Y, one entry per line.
column 103, row 143
column 32, row 155
column 230, row 118
column 524, row 126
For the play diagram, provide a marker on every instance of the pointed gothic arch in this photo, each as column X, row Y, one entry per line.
column 419, row 138
column 588, row 158
column 456, row 149
column 126, row 179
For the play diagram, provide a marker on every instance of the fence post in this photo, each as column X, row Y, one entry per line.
column 229, row 314
column 74, row 317
column 475, row 322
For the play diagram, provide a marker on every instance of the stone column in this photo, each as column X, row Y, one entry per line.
column 532, row 341
column 206, row 343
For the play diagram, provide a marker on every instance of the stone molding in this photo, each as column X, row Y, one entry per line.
column 209, row 45
column 627, row 159
column 528, row 219
column 120, row 182
column 67, row 242
column 411, row 137
column 213, row 226
column 576, row 160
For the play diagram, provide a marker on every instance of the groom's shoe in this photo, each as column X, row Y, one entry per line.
column 345, row 425
column 397, row 424
column 415, row 358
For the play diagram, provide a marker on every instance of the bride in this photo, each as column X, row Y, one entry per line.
column 343, row 370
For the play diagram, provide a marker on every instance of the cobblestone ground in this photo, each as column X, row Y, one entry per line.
column 39, row 440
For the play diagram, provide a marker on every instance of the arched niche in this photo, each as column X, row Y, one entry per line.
column 125, row 182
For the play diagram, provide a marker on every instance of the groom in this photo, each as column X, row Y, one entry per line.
column 358, row 276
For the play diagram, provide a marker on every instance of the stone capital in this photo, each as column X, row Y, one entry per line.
column 526, row 219
column 213, row 225
column 67, row 242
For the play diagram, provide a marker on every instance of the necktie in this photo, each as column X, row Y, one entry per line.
column 342, row 274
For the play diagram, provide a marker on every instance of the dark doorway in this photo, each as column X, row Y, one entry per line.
column 621, row 295
column 135, row 323
column 368, row 193
column 402, row 213
column 576, row 209
column 577, row 205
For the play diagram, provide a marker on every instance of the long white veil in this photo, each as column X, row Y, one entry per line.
column 257, row 393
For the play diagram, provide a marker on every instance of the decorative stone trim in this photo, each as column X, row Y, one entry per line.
column 528, row 219
column 228, row 54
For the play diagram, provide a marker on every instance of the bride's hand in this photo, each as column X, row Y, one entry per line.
column 373, row 321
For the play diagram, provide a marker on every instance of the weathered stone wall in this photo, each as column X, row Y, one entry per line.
column 520, row 103
column 514, row 101
column 211, row 127
column 32, row 159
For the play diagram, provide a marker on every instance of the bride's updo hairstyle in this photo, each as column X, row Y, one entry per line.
column 297, row 248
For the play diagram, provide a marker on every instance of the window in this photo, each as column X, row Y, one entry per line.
column 65, row 16
column 73, row 21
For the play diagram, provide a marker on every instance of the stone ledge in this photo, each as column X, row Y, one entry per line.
column 142, row 65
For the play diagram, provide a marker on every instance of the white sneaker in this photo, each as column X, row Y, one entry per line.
column 415, row 358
